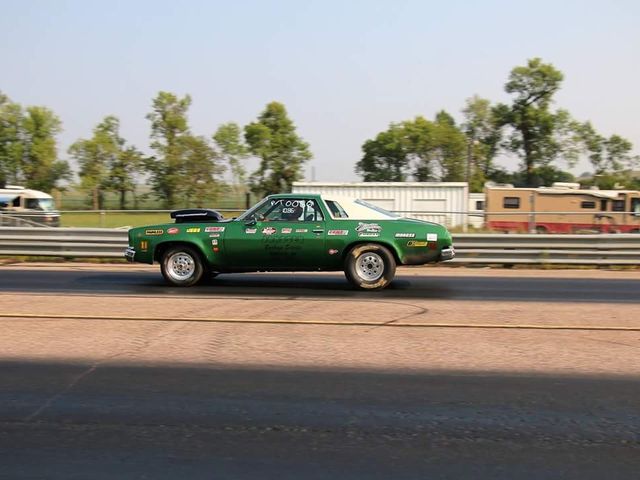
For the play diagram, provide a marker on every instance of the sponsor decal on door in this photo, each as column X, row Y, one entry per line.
column 368, row 228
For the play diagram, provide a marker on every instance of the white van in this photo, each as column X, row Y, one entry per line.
column 30, row 205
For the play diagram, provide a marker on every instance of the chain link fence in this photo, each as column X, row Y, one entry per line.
column 541, row 222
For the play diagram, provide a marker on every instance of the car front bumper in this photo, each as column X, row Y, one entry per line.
column 447, row 254
column 130, row 254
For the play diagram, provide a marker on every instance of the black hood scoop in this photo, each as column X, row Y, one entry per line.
column 196, row 215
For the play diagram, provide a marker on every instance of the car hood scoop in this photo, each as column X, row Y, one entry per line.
column 196, row 215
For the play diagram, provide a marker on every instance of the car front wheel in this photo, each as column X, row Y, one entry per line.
column 181, row 266
column 370, row 266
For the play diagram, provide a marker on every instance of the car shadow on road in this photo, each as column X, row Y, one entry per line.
column 334, row 284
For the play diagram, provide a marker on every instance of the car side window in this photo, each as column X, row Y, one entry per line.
column 33, row 204
column 336, row 209
column 289, row 210
column 312, row 213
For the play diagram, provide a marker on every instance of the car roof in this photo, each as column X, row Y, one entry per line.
column 355, row 210
column 295, row 195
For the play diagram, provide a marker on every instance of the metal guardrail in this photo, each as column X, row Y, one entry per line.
column 600, row 249
column 620, row 249
column 63, row 242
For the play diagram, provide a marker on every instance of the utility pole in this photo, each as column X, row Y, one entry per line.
column 468, row 170
column 470, row 145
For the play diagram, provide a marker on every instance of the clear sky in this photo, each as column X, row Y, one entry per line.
column 344, row 69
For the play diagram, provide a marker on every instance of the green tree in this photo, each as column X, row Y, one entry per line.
column 386, row 157
column 11, row 145
column 449, row 148
column 419, row 148
column 233, row 152
column 608, row 155
column 540, row 136
column 122, row 173
column 106, row 162
column 169, row 128
column 92, row 169
column 28, row 148
column 282, row 153
column 201, row 168
column 499, row 175
column 482, row 127
column 543, row 176
column 419, row 140
column 94, row 156
column 532, row 123
column 40, row 167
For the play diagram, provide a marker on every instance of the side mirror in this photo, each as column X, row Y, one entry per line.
column 250, row 221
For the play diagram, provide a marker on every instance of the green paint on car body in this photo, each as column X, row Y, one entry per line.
column 307, row 243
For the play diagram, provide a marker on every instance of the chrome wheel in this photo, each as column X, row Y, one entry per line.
column 370, row 266
column 181, row 266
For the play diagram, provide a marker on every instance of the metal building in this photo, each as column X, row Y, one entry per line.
column 441, row 202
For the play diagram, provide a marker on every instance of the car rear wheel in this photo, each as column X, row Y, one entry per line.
column 370, row 266
column 181, row 266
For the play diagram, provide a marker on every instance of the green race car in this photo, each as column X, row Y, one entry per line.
column 290, row 232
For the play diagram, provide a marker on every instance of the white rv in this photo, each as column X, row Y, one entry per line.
column 30, row 205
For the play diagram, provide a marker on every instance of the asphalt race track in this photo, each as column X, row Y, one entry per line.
column 434, row 286
column 197, row 423
column 103, row 375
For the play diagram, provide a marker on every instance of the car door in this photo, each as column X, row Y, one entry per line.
column 287, row 234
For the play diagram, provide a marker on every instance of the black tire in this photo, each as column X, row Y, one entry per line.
column 369, row 266
column 182, row 266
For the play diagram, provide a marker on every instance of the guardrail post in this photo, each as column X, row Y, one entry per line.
column 532, row 213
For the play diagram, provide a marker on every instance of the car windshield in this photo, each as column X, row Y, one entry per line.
column 44, row 204
column 250, row 213
column 284, row 209
column 377, row 209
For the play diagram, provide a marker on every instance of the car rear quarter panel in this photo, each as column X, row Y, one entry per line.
column 149, row 242
column 415, row 244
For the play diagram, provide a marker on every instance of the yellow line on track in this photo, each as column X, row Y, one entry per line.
column 323, row 322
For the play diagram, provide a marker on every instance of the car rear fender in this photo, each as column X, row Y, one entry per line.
column 162, row 247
